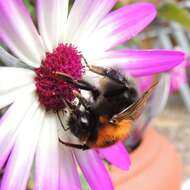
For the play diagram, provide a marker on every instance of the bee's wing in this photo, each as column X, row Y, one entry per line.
column 134, row 111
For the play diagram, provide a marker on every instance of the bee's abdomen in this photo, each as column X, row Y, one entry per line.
column 111, row 134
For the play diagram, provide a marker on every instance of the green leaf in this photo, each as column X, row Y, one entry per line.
column 30, row 7
column 118, row 5
column 173, row 12
column 1, row 63
column 84, row 183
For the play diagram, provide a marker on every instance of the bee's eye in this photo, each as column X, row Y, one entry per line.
column 126, row 95
column 84, row 121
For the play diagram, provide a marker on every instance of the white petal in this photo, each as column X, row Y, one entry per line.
column 68, row 172
column 121, row 25
column 117, row 27
column 76, row 16
column 10, row 124
column 47, row 156
column 93, row 169
column 9, row 96
column 52, row 16
column 63, row 16
column 18, row 168
column 84, row 17
column 12, row 77
column 19, row 33
column 10, row 60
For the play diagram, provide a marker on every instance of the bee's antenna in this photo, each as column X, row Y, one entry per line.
column 61, row 122
column 68, row 105
column 64, row 76
column 86, row 62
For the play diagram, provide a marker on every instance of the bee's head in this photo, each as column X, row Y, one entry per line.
column 81, row 123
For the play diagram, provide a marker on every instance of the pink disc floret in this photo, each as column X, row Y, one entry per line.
column 51, row 90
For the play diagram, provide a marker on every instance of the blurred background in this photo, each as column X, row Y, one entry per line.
column 171, row 30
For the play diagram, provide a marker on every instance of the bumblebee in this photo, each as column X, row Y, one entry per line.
column 109, row 116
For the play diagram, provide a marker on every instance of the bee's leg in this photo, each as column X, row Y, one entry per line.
column 108, row 72
column 81, row 84
column 78, row 146
column 69, row 105
column 61, row 122
column 96, row 69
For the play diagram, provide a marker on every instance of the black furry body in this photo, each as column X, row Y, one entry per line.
column 114, row 95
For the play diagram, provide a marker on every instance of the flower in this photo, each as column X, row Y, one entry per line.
column 179, row 82
column 178, row 77
column 29, row 129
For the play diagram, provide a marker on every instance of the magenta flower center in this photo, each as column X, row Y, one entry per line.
column 52, row 90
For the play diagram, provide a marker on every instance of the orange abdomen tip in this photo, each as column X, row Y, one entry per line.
column 111, row 134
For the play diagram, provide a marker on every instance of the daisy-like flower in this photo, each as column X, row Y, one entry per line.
column 29, row 129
